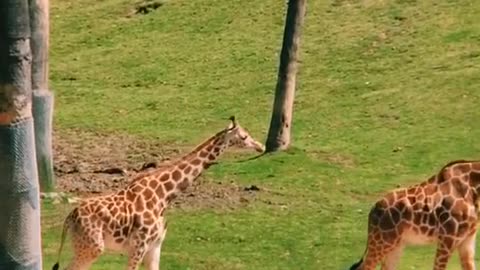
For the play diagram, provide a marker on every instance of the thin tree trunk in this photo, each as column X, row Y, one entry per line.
column 20, row 246
column 39, row 26
column 281, row 122
column 42, row 97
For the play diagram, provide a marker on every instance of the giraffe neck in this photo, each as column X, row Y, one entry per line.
column 171, row 180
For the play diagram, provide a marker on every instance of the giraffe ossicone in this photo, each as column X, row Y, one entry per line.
column 132, row 220
column 441, row 210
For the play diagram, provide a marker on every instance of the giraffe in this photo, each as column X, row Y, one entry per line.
column 442, row 210
column 132, row 220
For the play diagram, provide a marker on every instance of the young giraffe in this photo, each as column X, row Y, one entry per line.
column 132, row 219
column 442, row 210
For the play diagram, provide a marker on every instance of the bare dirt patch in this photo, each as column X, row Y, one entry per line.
column 89, row 163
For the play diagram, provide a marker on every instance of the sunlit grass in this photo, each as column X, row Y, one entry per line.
column 388, row 92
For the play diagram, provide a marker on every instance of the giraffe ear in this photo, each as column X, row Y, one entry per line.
column 234, row 122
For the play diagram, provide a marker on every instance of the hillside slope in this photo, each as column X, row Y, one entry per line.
column 388, row 92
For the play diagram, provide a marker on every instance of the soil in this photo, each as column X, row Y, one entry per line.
column 89, row 163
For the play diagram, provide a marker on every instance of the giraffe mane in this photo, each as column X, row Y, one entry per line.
column 189, row 156
column 199, row 147
column 440, row 174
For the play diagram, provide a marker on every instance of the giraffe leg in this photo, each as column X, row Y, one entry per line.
column 391, row 259
column 466, row 250
column 151, row 260
column 138, row 247
column 84, row 257
column 135, row 257
column 84, row 260
column 371, row 260
column 86, row 251
column 444, row 252
column 382, row 247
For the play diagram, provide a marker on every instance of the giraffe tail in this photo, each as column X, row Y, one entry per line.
column 356, row 265
column 66, row 226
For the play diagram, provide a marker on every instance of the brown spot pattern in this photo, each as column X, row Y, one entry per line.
column 176, row 175
column 165, row 177
column 168, row 186
column 135, row 210
column 196, row 162
column 440, row 208
column 183, row 185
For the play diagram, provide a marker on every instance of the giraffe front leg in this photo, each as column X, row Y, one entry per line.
column 466, row 250
column 444, row 252
column 151, row 260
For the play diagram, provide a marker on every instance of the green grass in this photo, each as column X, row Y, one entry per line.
column 375, row 76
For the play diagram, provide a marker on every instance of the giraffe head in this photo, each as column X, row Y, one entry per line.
column 239, row 137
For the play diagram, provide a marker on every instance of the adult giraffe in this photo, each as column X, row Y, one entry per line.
column 442, row 210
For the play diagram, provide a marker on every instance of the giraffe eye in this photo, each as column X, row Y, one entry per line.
column 243, row 138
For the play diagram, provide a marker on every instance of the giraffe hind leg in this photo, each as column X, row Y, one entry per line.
column 370, row 262
column 84, row 257
column 444, row 252
column 83, row 261
column 391, row 259
column 135, row 258
column 385, row 252
column 87, row 248
column 138, row 247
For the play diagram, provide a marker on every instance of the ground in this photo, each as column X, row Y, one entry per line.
column 387, row 93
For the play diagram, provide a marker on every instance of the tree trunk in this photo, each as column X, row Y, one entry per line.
column 20, row 246
column 281, row 122
column 42, row 97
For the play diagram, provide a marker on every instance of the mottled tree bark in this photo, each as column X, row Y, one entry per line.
column 278, row 137
column 42, row 97
column 20, row 246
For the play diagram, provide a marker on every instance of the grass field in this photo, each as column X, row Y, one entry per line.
column 388, row 92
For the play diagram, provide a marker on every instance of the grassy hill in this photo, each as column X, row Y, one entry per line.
column 388, row 92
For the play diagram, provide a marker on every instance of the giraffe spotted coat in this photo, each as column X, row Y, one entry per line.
column 132, row 219
column 441, row 210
